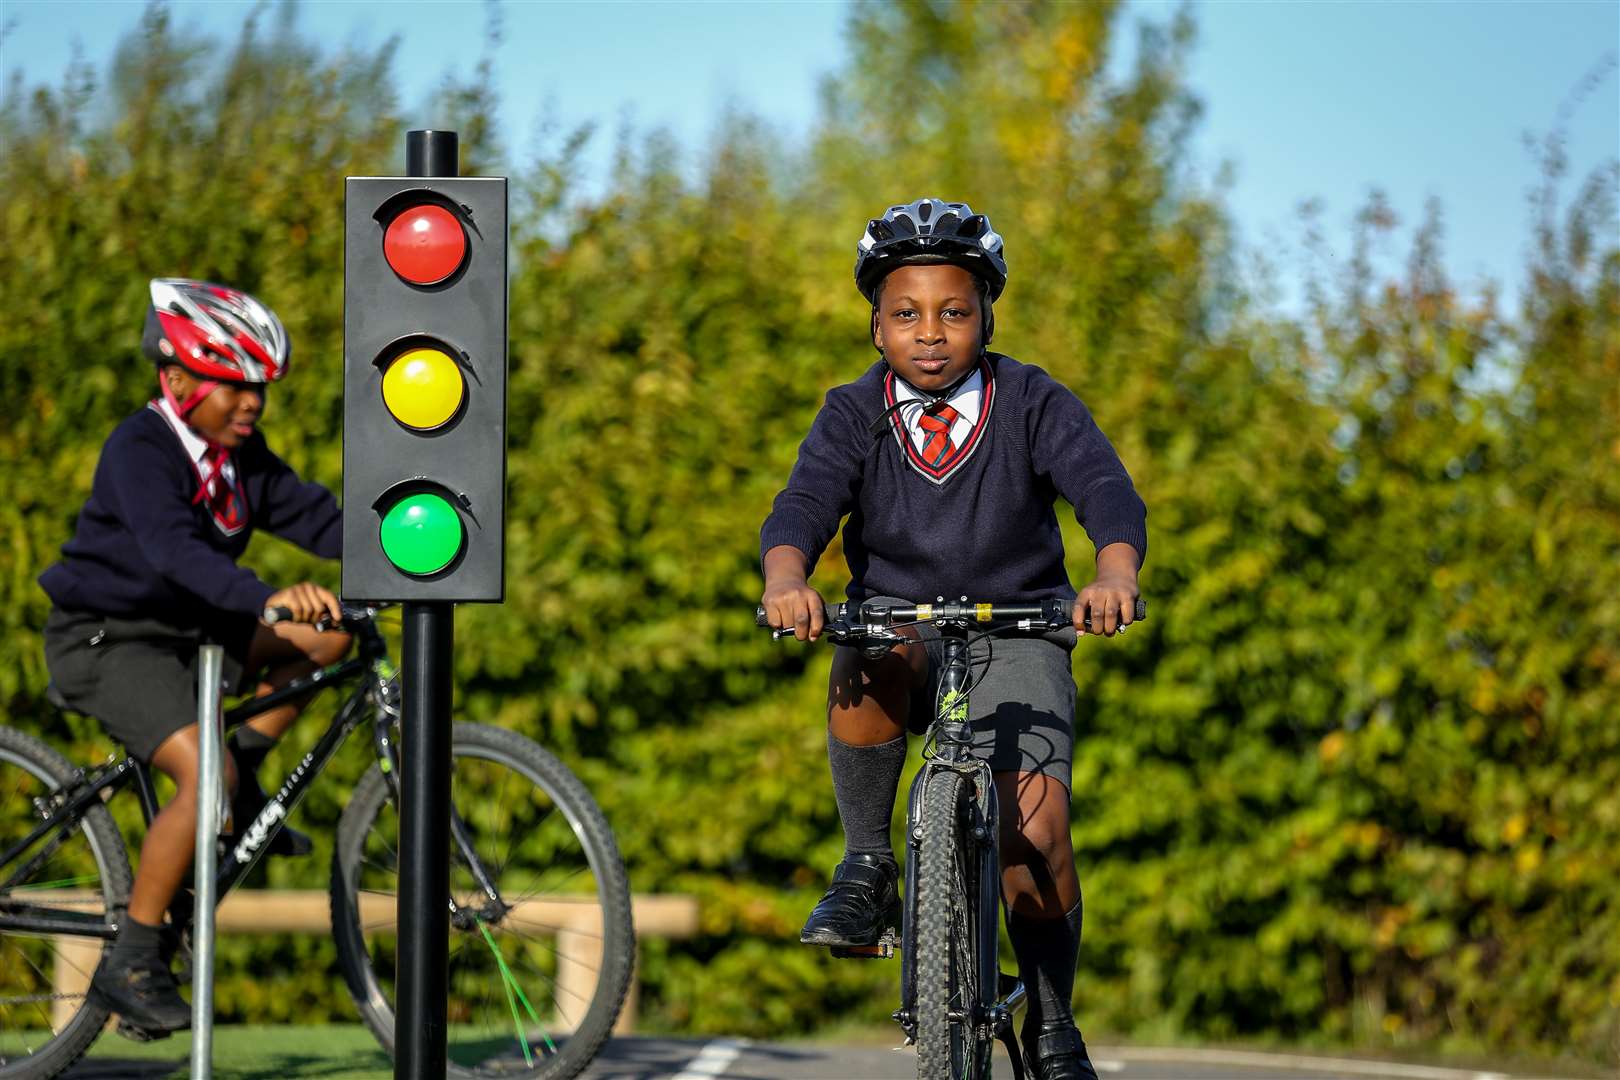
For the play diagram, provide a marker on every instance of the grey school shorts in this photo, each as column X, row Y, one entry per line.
column 138, row 676
column 1020, row 702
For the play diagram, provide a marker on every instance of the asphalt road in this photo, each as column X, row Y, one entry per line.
column 735, row 1059
column 642, row 1058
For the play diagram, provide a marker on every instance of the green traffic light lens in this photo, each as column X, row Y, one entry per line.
column 422, row 534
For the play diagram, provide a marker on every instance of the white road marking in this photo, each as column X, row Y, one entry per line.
column 1299, row 1061
column 713, row 1060
column 1103, row 1065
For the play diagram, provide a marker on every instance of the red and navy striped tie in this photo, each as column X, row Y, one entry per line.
column 938, row 425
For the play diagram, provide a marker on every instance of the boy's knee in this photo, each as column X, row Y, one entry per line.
column 1037, row 841
column 330, row 647
column 185, row 796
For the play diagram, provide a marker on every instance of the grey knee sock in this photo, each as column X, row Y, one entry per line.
column 1047, row 951
column 865, row 779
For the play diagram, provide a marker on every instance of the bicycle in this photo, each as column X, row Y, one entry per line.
column 954, row 999
column 539, row 904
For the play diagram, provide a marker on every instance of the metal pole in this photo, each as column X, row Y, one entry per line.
column 210, row 795
column 420, row 1039
column 424, row 819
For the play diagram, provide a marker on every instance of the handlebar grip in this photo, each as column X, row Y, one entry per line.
column 829, row 612
column 1141, row 612
column 273, row 615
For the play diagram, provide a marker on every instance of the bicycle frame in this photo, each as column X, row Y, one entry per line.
column 376, row 686
column 255, row 836
column 954, row 740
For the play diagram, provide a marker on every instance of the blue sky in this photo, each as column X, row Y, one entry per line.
column 1306, row 99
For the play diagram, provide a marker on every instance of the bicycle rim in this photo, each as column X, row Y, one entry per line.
column 46, row 1022
column 538, row 973
column 952, row 1041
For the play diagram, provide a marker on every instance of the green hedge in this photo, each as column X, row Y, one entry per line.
column 1356, row 779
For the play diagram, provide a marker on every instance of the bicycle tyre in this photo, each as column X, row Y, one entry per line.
column 31, row 769
column 947, row 936
column 479, row 982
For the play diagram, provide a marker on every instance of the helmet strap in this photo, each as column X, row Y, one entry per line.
column 182, row 409
column 214, row 461
column 931, row 400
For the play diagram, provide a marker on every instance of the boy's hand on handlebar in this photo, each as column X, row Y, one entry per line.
column 1110, row 601
column 307, row 602
column 795, row 606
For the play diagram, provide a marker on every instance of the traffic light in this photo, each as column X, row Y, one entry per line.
column 424, row 394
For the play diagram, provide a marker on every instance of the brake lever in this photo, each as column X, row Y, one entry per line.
column 839, row 630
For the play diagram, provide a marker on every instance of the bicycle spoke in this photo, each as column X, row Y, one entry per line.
column 506, row 857
column 544, row 942
column 45, row 980
column 553, row 890
column 509, row 981
column 63, row 883
column 542, row 938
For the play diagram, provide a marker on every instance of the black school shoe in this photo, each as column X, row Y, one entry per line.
column 1055, row 1051
column 863, row 902
column 142, row 991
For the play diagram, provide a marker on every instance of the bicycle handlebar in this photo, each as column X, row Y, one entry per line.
column 351, row 616
column 1051, row 614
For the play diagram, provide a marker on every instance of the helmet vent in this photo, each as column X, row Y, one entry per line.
column 928, row 231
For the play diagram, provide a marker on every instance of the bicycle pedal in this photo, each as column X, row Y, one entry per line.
column 882, row 949
column 140, row 1034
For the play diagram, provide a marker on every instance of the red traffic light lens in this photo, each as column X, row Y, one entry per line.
column 425, row 244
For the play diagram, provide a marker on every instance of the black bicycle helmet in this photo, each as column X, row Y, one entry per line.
column 929, row 231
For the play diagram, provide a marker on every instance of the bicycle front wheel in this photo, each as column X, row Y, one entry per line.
column 541, row 944
column 953, row 1040
column 80, row 872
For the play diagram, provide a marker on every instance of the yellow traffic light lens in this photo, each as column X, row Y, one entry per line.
column 423, row 388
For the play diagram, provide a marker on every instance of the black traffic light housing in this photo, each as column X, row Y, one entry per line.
column 424, row 312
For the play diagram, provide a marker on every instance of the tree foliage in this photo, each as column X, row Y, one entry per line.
column 1355, row 779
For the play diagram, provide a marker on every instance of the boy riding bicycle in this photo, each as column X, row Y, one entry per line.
column 947, row 459
column 151, row 572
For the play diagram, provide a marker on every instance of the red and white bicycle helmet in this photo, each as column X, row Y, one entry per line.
column 214, row 332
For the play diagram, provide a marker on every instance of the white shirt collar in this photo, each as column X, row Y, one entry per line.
column 967, row 400
column 195, row 445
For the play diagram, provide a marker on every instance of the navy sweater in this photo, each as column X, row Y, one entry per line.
column 143, row 549
column 984, row 526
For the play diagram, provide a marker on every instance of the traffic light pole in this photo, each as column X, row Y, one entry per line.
column 424, row 855
column 424, row 811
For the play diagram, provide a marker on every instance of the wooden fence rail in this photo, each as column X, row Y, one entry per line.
column 575, row 923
